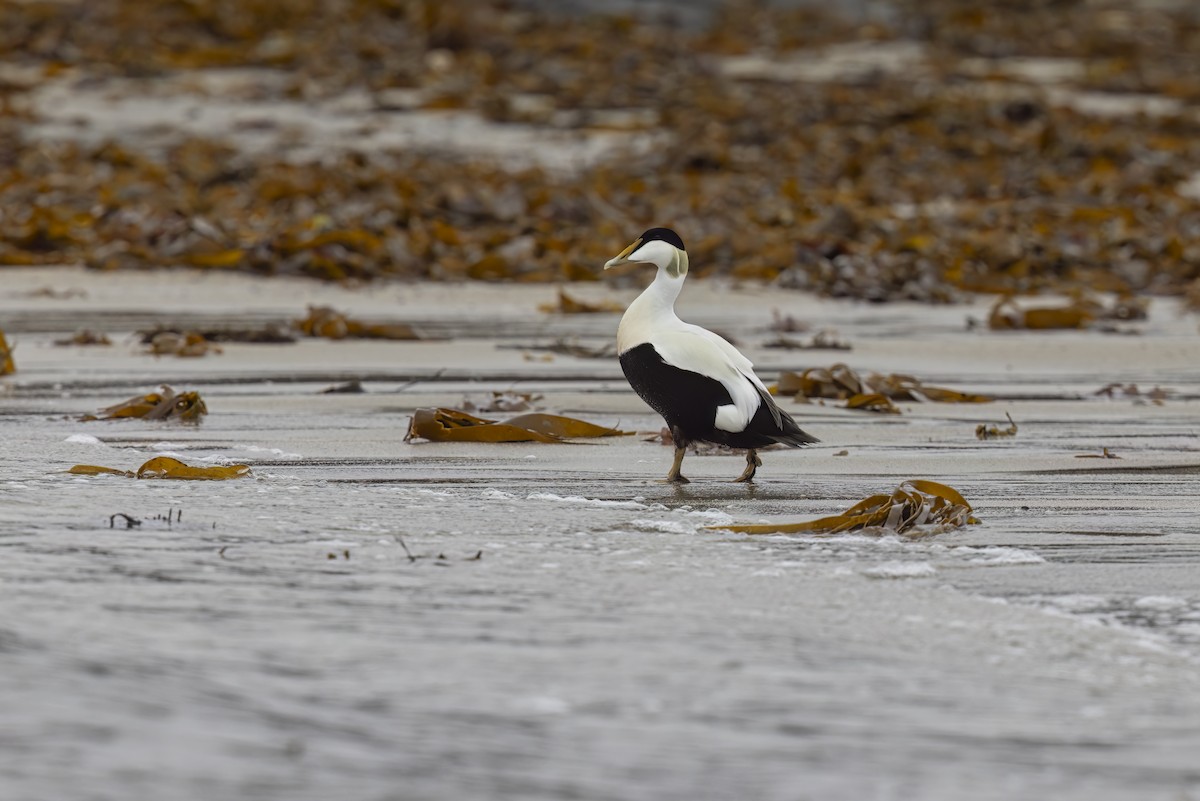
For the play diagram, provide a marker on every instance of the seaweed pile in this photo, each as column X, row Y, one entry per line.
column 1022, row 147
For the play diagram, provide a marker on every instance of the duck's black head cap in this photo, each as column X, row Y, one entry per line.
column 665, row 234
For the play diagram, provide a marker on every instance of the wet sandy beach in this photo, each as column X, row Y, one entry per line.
column 370, row 618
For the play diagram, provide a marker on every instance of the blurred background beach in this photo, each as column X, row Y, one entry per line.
column 880, row 150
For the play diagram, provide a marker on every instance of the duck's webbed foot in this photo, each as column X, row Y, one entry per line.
column 752, row 465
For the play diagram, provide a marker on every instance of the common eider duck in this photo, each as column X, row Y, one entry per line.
column 702, row 386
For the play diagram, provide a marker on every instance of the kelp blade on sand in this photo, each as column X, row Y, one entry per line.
column 453, row 425
column 839, row 381
column 914, row 503
column 167, row 467
column 323, row 321
column 165, row 404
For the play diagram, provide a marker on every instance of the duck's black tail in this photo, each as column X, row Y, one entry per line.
column 792, row 434
column 785, row 428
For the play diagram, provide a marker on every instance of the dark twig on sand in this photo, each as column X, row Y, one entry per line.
column 407, row 552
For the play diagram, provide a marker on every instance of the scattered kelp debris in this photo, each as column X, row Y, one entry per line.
column 85, row 337
column 268, row 334
column 507, row 401
column 1126, row 307
column 347, row 388
column 867, row 184
column 7, row 365
column 564, row 347
column 166, row 467
column 1007, row 315
column 185, row 345
column 1081, row 311
column 1119, row 390
column 569, row 305
column 825, row 339
column 663, row 437
column 787, row 323
column 453, row 425
column 916, row 508
column 53, row 293
column 840, row 382
column 1105, row 453
column 323, row 321
column 1157, row 396
column 984, row 431
column 165, row 404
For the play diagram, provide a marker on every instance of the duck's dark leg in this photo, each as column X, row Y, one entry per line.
column 681, row 443
column 752, row 464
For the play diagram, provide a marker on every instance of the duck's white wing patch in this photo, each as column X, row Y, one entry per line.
column 701, row 351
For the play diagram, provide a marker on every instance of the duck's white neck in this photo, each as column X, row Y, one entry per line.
column 651, row 310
